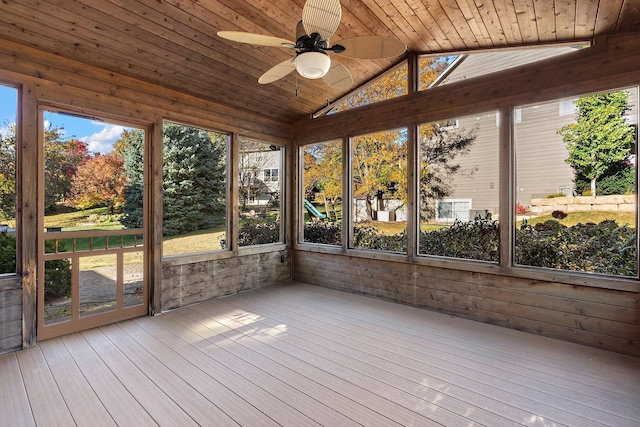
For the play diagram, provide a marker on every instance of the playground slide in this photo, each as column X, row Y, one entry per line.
column 312, row 210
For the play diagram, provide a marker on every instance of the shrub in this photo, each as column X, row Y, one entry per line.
column 555, row 195
column 368, row 237
column 558, row 214
column 520, row 210
column 622, row 182
column 619, row 179
column 599, row 248
column 57, row 273
column 7, row 253
column 477, row 240
column 328, row 233
column 254, row 232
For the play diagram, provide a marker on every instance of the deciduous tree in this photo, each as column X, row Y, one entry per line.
column 323, row 169
column 61, row 160
column 600, row 137
column 379, row 163
column 440, row 145
column 99, row 180
column 379, row 159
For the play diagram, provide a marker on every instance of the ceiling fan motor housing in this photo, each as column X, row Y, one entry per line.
column 309, row 42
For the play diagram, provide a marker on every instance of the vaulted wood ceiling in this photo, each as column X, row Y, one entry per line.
column 173, row 42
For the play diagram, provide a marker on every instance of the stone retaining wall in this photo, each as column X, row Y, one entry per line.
column 584, row 204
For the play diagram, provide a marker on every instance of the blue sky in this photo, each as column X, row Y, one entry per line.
column 99, row 136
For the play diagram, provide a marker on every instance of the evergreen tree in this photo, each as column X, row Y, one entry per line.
column 8, row 173
column 131, row 145
column 194, row 181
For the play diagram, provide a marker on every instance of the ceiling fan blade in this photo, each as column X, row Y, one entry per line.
column 256, row 39
column 372, row 47
column 338, row 77
column 277, row 72
column 322, row 17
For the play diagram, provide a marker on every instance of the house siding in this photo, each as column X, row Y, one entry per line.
column 541, row 168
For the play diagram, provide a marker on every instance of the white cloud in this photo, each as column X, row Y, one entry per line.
column 103, row 140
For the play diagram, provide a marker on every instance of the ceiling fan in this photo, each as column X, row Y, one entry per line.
column 320, row 19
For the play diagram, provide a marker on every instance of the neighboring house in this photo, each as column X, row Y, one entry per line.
column 260, row 175
column 540, row 150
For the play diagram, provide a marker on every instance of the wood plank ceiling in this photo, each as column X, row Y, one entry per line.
column 173, row 42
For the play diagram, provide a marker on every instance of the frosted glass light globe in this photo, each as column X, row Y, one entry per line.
column 313, row 65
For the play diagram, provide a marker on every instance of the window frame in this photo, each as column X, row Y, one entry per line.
column 18, row 182
column 553, row 274
column 506, row 190
column 175, row 258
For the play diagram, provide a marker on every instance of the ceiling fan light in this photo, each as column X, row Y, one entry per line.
column 313, row 65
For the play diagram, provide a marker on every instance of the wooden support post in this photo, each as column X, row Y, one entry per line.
column 153, row 224
column 28, row 155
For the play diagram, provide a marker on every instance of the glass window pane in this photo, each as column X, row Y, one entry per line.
column 259, row 167
column 57, row 291
column 576, row 184
column 379, row 190
column 133, row 278
column 458, row 188
column 8, row 117
column 322, row 186
column 91, row 181
column 194, row 189
column 389, row 85
column 442, row 70
column 97, row 283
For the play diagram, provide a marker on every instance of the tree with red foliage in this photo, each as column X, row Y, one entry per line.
column 100, row 180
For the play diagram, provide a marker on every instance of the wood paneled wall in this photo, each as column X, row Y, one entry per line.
column 610, row 63
column 603, row 318
column 50, row 81
column 189, row 283
column 588, row 309
column 10, row 314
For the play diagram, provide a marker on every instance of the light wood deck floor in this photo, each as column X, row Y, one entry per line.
column 300, row 355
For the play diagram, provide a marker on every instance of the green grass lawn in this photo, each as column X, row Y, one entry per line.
column 573, row 218
column 621, row 218
column 209, row 239
column 195, row 241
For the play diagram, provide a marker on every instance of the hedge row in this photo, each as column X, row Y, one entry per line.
column 606, row 248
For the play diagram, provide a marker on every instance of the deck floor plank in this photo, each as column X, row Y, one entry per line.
column 47, row 403
column 218, row 386
column 301, row 355
column 83, row 403
column 156, row 403
column 326, row 389
column 121, row 404
column 417, row 386
column 244, row 386
column 186, row 395
column 601, row 406
column 278, row 382
column 14, row 402
column 367, row 390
